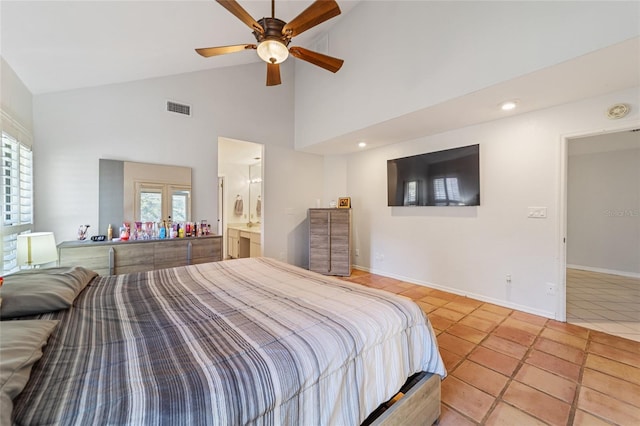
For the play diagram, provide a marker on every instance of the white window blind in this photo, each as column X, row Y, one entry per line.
column 446, row 190
column 17, row 197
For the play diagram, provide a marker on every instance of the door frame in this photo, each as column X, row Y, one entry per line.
column 561, row 295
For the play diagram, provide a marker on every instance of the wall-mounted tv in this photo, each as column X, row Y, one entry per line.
column 442, row 178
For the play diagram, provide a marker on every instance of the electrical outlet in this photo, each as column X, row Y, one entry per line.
column 357, row 252
column 508, row 278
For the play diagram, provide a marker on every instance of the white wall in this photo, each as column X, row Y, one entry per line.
column 128, row 121
column 15, row 98
column 603, row 203
column 404, row 56
column 293, row 183
column 470, row 250
column 335, row 179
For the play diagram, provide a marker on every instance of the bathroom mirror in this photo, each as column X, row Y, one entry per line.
column 255, row 192
column 129, row 191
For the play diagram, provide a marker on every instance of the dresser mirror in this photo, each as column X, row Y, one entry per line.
column 130, row 191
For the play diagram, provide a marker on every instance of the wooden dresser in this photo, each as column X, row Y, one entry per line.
column 123, row 257
column 330, row 241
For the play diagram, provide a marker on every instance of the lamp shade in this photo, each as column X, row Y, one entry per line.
column 37, row 248
column 273, row 51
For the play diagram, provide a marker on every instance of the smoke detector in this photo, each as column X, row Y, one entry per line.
column 618, row 111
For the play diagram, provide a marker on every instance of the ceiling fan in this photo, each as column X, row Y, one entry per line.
column 274, row 35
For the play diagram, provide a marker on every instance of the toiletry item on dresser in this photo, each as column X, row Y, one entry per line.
column 238, row 207
column 83, row 230
column 109, row 233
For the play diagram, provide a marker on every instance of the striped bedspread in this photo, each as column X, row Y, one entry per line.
column 248, row 341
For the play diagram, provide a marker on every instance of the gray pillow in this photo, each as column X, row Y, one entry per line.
column 21, row 345
column 38, row 291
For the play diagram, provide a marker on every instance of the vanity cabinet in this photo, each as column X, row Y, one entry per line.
column 330, row 241
column 255, row 245
column 123, row 257
column 233, row 243
column 243, row 242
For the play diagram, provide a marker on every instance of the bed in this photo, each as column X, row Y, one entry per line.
column 246, row 341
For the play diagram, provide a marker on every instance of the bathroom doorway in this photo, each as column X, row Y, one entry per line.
column 241, row 200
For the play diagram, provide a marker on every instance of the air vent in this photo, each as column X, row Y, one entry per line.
column 179, row 108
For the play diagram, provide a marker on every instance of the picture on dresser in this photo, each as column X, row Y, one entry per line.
column 344, row 203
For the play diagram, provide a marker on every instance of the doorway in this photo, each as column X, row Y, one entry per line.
column 603, row 233
column 240, row 197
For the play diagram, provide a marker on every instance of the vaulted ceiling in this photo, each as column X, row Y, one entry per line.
column 61, row 45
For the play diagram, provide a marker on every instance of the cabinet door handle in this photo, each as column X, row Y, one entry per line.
column 189, row 253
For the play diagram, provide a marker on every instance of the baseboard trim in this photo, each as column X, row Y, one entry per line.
column 605, row 271
column 479, row 297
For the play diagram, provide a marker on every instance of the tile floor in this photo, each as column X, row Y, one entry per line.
column 507, row 367
column 604, row 302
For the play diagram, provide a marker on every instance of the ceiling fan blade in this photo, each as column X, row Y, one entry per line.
column 237, row 10
column 223, row 50
column 327, row 62
column 273, row 74
column 317, row 13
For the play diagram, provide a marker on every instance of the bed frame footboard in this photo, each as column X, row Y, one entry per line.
column 417, row 403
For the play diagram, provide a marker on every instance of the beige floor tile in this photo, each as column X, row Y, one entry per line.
column 604, row 302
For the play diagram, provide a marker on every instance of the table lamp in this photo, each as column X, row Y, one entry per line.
column 36, row 248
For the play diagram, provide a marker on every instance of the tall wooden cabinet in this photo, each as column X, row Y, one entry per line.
column 330, row 241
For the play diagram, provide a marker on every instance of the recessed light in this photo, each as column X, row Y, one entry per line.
column 362, row 144
column 508, row 105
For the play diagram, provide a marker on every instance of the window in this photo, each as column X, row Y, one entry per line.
column 180, row 205
column 157, row 201
column 150, row 204
column 17, row 197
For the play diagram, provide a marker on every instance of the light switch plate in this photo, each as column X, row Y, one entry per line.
column 537, row 213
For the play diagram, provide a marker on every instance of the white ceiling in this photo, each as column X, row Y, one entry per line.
column 607, row 70
column 62, row 45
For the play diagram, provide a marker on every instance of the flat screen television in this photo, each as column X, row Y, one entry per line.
column 442, row 178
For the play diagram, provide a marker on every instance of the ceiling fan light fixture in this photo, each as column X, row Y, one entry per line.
column 273, row 51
